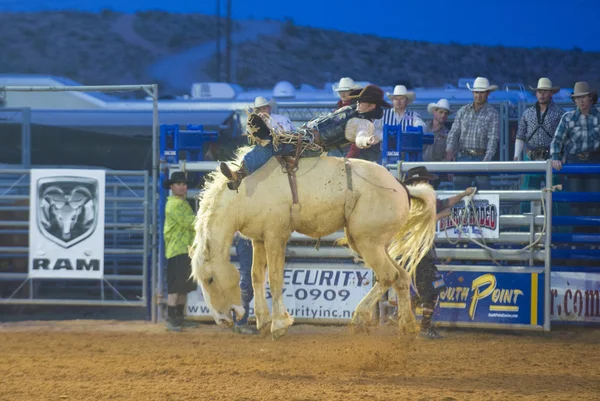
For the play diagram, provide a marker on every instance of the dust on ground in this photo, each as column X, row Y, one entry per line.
column 116, row 360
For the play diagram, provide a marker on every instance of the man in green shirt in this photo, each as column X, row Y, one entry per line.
column 178, row 234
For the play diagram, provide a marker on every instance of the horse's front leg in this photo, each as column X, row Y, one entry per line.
column 259, row 268
column 280, row 317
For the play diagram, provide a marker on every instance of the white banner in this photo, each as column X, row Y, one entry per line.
column 575, row 297
column 66, row 224
column 482, row 221
column 310, row 293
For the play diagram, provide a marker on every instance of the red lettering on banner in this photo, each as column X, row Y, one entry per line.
column 568, row 294
column 578, row 307
column 592, row 308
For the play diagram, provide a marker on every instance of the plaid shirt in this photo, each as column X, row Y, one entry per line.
column 475, row 130
column 576, row 133
column 535, row 133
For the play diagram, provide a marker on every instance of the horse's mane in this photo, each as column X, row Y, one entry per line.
column 215, row 184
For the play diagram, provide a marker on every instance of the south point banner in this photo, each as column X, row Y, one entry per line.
column 492, row 298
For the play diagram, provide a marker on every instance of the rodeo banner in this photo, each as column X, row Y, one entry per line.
column 66, row 224
column 476, row 220
column 502, row 298
column 308, row 293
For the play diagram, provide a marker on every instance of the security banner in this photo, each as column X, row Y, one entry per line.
column 66, row 224
column 476, row 220
column 309, row 293
column 492, row 298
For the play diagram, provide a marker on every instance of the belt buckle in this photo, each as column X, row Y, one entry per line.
column 583, row 155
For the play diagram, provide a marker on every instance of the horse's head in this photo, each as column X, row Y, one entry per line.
column 220, row 283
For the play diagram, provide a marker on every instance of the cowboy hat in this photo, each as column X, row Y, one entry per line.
column 260, row 102
column 482, row 84
column 346, row 84
column 177, row 176
column 545, row 84
column 371, row 94
column 582, row 88
column 443, row 104
column 418, row 174
column 400, row 90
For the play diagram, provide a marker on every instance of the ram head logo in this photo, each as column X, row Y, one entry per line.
column 67, row 211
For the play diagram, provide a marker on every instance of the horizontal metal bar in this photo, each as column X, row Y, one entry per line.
column 476, row 167
column 588, row 221
column 128, row 226
column 84, row 302
column 504, row 195
column 107, row 251
column 124, row 199
column 483, row 254
column 504, row 238
column 195, row 166
column 579, row 169
column 76, row 88
column 517, row 220
column 109, row 277
column 576, row 197
column 576, row 238
column 492, row 269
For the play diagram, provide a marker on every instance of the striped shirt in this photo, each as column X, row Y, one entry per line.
column 537, row 129
column 475, row 130
column 576, row 133
column 179, row 229
column 409, row 118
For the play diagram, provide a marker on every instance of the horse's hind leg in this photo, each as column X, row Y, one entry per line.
column 406, row 318
column 376, row 257
column 259, row 268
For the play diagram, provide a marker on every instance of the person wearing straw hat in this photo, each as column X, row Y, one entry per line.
column 475, row 133
column 437, row 151
column 577, row 141
column 399, row 115
column 344, row 88
column 263, row 106
column 178, row 235
column 428, row 280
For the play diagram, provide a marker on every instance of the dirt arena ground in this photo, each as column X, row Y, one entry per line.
column 111, row 360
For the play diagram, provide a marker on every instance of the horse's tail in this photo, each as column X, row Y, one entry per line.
column 415, row 238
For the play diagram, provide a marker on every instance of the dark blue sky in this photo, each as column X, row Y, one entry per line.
column 522, row 23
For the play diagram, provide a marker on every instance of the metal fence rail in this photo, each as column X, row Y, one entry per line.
column 127, row 246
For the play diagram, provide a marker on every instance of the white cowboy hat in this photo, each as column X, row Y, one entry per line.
column 260, row 102
column 546, row 85
column 347, row 84
column 582, row 88
column 443, row 104
column 482, row 84
column 400, row 90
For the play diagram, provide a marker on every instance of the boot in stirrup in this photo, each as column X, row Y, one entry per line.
column 235, row 177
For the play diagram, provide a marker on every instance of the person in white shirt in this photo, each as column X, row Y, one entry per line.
column 399, row 115
column 263, row 106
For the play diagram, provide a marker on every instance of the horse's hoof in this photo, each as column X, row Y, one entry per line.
column 409, row 329
column 264, row 331
column 360, row 328
column 277, row 334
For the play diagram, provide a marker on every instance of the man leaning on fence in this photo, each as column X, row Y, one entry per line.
column 577, row 141
column 535, row 133
column 475, row 134
column 179, row 235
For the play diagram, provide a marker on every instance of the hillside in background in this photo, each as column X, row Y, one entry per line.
column 149, row 47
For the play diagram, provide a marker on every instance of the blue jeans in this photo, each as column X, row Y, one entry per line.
column 243, row 249
column 462, row 182
column 258, row 157
column 339, row 151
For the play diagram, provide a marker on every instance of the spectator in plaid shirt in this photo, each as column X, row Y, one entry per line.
column 577, row 140
column 536, row 131
column 475, row 134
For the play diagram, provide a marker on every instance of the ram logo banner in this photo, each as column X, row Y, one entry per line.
column 66, row 224
column 478, row 220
